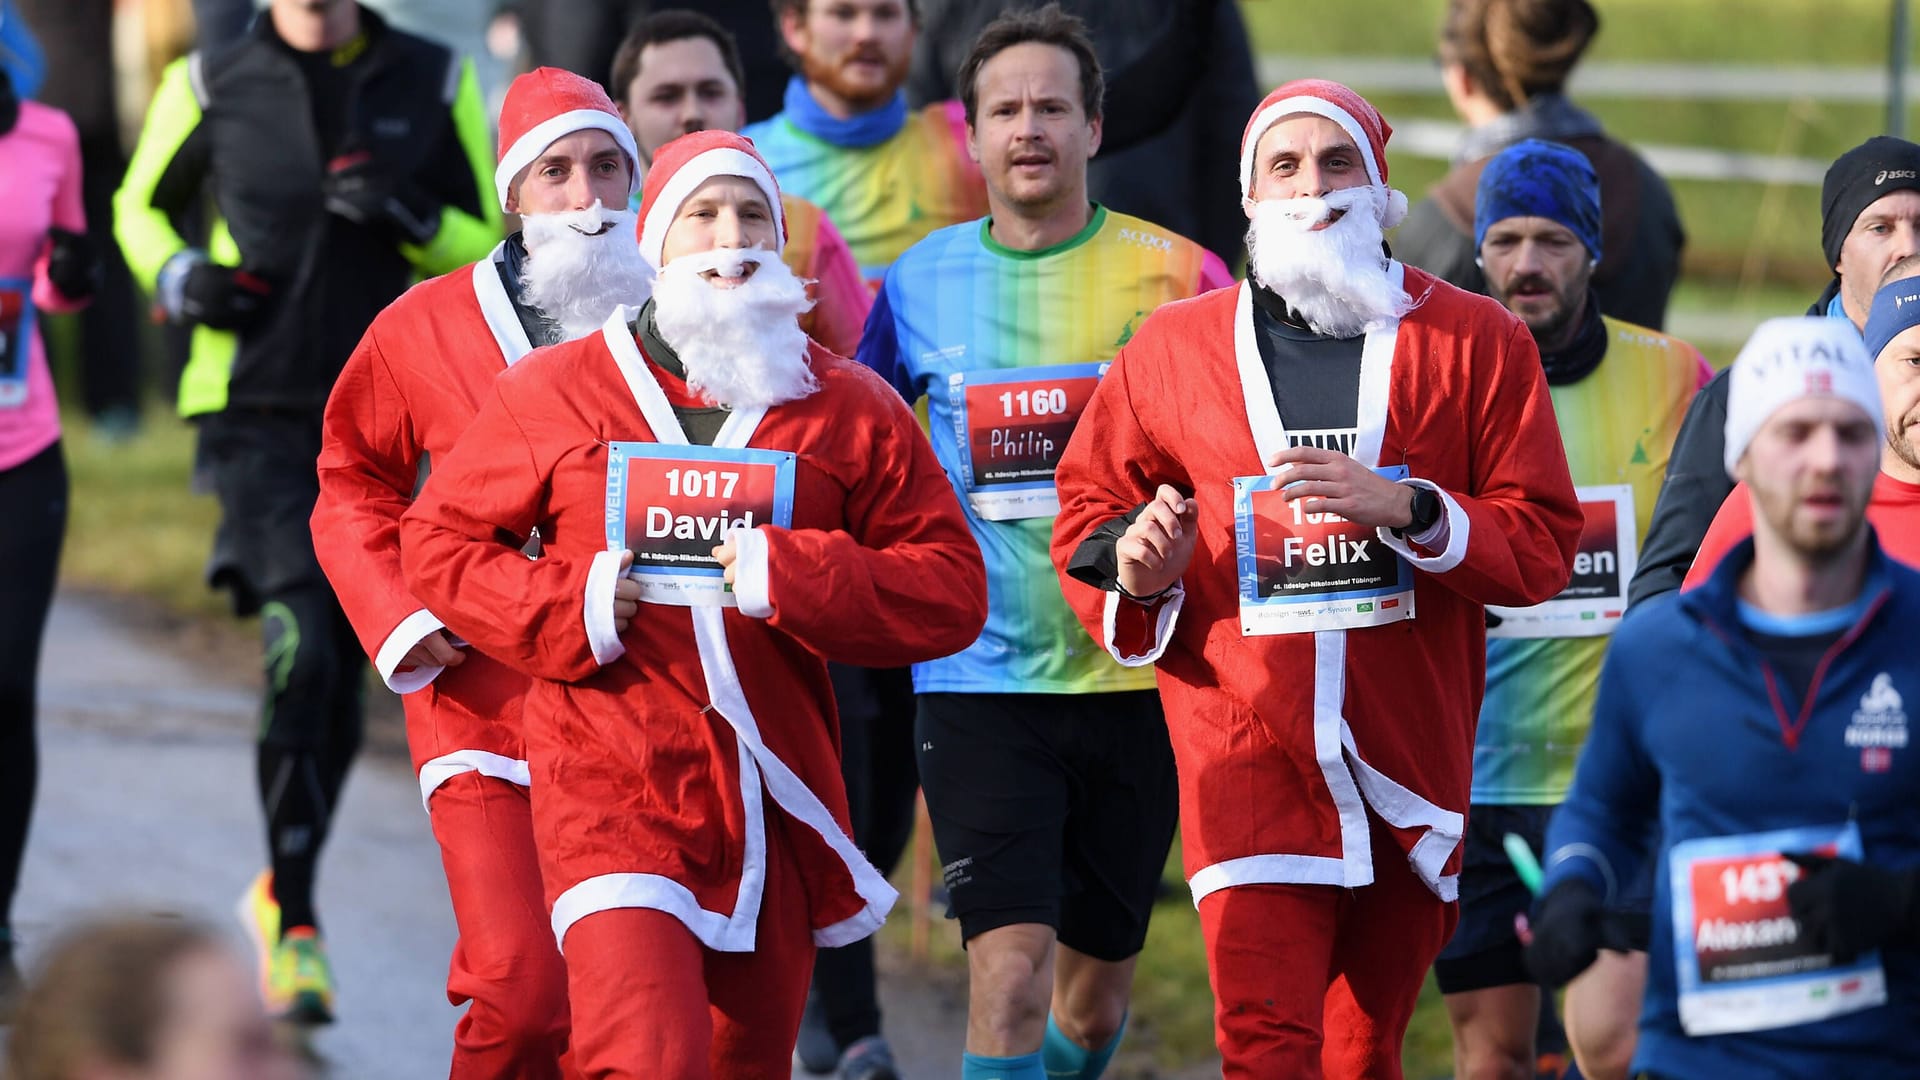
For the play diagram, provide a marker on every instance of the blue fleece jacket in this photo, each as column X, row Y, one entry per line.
column 1691, row 733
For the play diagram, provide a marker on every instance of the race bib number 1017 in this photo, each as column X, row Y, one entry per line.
column 1012, row 427
column 1302, row 572
column 672, row 505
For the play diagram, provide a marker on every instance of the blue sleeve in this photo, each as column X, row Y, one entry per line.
column 880, row 345
column 20, row 52
column 1600, row 833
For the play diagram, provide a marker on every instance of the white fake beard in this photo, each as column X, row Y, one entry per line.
column 1334, row 278
column 742, row 347
column 582, row 264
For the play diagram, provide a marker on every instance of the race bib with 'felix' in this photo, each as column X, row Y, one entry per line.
column 1302, row 572
column 16, row 323
column 1738, row 950
column 1603, row 564
column 1012, row 427
column 672, row 505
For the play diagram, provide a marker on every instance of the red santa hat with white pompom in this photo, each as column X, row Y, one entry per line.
column 548, row 104
column 683, row 165
column 1324, row 97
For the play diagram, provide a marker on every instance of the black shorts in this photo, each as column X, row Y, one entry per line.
column 1485, row 949
column 1050, row 808
column 261, row 466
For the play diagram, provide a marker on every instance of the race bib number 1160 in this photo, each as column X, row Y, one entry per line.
column 672, row 505
column 1011, row 427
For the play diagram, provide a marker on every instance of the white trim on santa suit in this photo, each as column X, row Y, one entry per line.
column 1354, row 784
column 732, row 932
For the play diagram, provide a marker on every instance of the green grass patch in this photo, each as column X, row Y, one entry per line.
column 1799, row 32
column 134, row 526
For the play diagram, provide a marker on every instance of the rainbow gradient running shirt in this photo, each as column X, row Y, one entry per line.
column 1618, row 425
column 887, row 178
column 1006, row 346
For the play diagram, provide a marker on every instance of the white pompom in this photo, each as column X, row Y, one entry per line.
column 1395, row 211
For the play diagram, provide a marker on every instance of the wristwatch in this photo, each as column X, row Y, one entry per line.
column 1426, row 510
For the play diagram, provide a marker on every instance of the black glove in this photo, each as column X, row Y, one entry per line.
column 1569, row 929
column 362, row 192
column 1846, row 908
column 71, row 265
column 222, row 297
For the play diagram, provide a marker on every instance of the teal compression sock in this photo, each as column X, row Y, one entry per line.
column 1068, row 1060
column 981, row 1067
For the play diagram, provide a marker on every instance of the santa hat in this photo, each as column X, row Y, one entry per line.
column 1324, row 97
column 548, row 104
column 1789, row 359
column 683, row 165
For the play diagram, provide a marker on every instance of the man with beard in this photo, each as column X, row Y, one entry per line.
column 1619, row 392
column 1401, row 432
column 1046, row 766
column 342, row 159
column 407, row 393
column 724, row 507
column 679, row 72
column 847, row 141
column 1758, row 726
column 1869, row 220
column 1893, row 339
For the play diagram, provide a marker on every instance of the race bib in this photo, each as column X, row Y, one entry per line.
column 16, row 324
column 1737, row 947
column 1302, row 572
column 672, row 505
column 1593, row 601
column 1012, row 427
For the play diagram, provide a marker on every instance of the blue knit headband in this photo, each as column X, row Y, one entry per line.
column 1534, row 178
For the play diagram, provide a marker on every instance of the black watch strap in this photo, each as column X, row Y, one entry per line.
column 1425, row 509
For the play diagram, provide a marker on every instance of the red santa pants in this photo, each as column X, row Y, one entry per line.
column 505, row 962
column 650, row 1001
column 1370, row 946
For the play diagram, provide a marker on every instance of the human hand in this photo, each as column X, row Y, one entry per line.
column 1156, row 548
column 360, row 190
column 1332, row 482
column 195, row 290
column 1846, row 908
column 434, row 650
column 626, row 595
column 728, row 555
column 1567, row 933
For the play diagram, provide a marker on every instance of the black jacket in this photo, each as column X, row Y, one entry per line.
column 249, row 137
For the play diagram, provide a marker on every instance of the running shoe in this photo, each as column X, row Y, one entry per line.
column 868, row 1059
column 302, row 978
column 259, row 913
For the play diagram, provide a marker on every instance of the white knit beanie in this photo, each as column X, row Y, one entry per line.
column 1789, row 359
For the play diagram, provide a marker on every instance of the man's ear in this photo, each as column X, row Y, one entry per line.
column 1247, row 204
column 793, row 30
column 1093, row 145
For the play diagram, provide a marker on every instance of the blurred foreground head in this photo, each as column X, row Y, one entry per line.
column 143, row 999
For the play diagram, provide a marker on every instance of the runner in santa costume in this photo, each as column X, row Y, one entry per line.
column 411, row 387
column 725, row 506
column 1297, row 497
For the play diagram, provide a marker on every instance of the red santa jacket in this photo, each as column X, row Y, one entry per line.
column 408, row 391
column 1284, row 741
column 659, row 756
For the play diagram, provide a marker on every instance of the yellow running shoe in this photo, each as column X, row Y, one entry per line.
column 259, row 912
column 302, row 978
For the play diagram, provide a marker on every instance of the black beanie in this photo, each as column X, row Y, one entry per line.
column 1857, row 179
